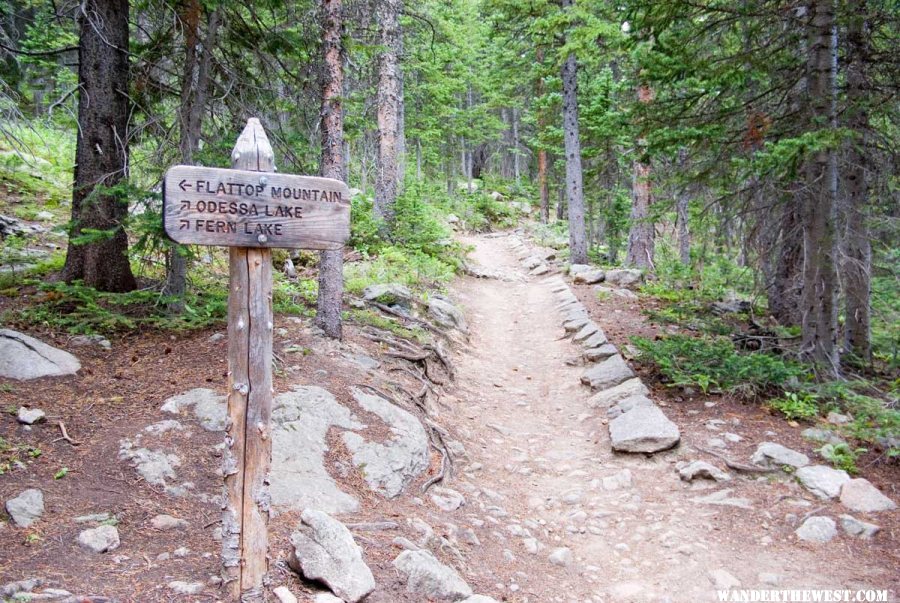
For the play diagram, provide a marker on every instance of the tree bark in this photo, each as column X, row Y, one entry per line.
column 819, row 296
column 101, row 152
column 194, row 89
column 574, row 185
column 785, row 288
column 856, row 267
column 682, row 199
column 387, row 173
column 641, row 237
column 331, row 262
column 542, row 152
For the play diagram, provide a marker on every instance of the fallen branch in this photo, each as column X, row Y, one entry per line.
column 65, row 434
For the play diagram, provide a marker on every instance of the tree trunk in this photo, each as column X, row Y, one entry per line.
column 194, row 87
column 542, row 152
column 641, row 241
column 517, row 173
column 574, row 186
column 856, row 267
column 331, row 262
column 101, row 152
column 786, row 286
column 819, row 296
column 387, row 173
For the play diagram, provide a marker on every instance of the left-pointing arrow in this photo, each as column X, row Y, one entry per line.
column 183, row 186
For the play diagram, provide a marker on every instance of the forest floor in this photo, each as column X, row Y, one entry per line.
column 537, row 474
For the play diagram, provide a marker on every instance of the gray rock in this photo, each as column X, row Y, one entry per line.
column 823, row 481
column 723, row 498
column 590, row 277
column 861, row 496
column 155, row 466
column 628, row 404
column 576, row 269
column 716, row 443
column 596, row 340
column 643, row 429
column 817, row 529
column 723, row 580
column 301, row 420
column 26, row 508
column 576, row 324
column 609, row 373
column 167, row 522
column 823, row 436
column 86, row 340
column 446, row 314
column 540, row 270
column 23, row 357
column 186, row 588
column 586, row 331
column 769, row 578
column 696, row 469
column 93, row 518
column 389, row 294
column 561, row 556
column 446, row 499
column 602, row 352
column 428, row 577
column 623, row 277
column 859, row 528
column 772, row 455
column 323, row 549
column 100, row 539
column 479, row 599
column 209, row 407
column 284, row 595
column 836, row 418
column 622, row 479
column 19, row 586
column 30, row 416
column 389, row 466
column 326, row 598
column 608, row 397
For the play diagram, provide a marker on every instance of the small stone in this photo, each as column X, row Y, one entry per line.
column 643, row 429
column 823, row 481
column 823, row 436
column 716, row 443
column 772, row 455
column 26, row 508
column 562, row 557
column 484, row 599
column 723, row 580
column 817, row 529
column 858, row 528
column 532, row 545
column 284, row 595
column 94, row 518
column 836, row 418
column 611, row 372
column 427, row 576
column 621, row 479
column 732, row 437
column 181, row 552
column 216, row 337
column 447, row 499
column 769, row 578
column 702, row 469
column 326, row 598
column 167, row 522
column 30, row 416
column 186, row 588
column 861, row 496
column 19, row 586
column 100, row 539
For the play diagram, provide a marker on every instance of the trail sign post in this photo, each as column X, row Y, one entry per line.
column 251, row 209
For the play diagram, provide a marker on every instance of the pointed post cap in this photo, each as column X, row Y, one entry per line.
column 252, row 150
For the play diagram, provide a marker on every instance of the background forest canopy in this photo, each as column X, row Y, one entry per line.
column 738, row 153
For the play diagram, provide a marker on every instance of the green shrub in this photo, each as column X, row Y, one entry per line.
column 842, row 456
column 796, row 405
column 713, row 364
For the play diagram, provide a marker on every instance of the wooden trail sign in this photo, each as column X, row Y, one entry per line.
column 251, row 209
column 244, row 208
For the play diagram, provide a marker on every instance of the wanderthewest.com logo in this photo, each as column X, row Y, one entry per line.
column 803, row 596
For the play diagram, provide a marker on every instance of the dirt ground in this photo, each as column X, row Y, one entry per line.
column 537, row 465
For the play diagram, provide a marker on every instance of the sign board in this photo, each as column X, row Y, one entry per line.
column 238, row 208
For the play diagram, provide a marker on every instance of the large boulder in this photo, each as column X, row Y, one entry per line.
column 590, row 277
column 623, row 277
column 208, row 406
column 26, row 508
column 446, row 314
column 429, row 578
column 860, row 495
column 324, row 550
column 643, row 429
column 626, row 389
column 772, row 455
column 389, row 294
column 823, row 481
column 389, row 466
column 606, row 374
column 817, row 529
column 23, row 357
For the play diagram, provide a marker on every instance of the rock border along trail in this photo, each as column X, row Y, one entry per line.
column 577, row 521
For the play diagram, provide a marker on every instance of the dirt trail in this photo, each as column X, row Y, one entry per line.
column 540, row 466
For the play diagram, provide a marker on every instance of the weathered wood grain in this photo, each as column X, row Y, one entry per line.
column 246, row 208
